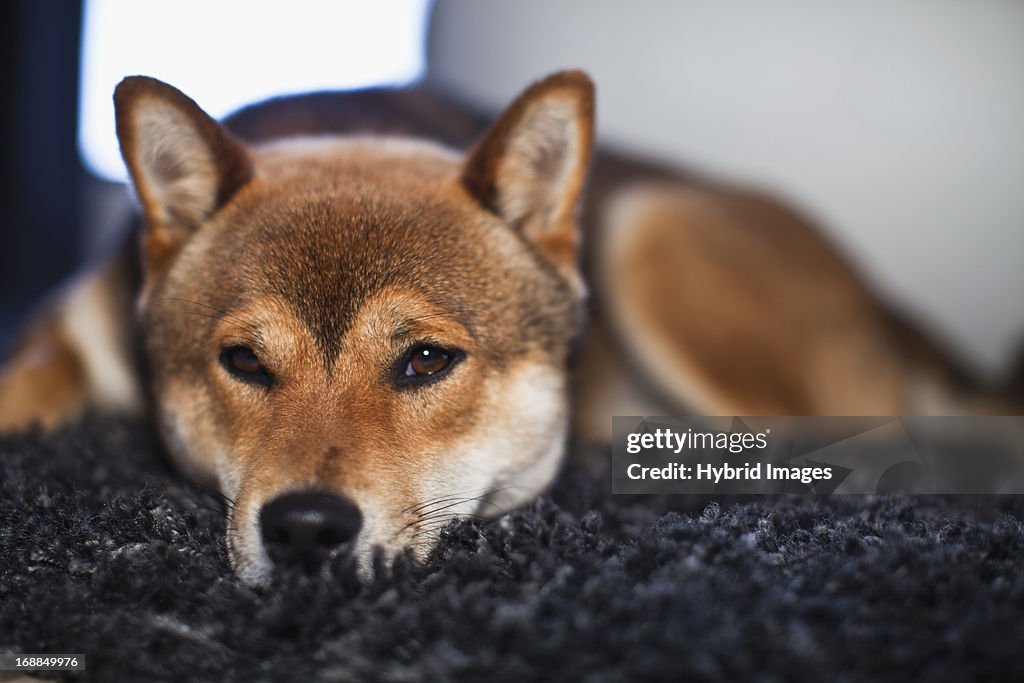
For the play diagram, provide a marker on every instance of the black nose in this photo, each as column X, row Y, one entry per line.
column 304, row 527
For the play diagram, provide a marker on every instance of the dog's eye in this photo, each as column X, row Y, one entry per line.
column 245, row 365
column 425, row 362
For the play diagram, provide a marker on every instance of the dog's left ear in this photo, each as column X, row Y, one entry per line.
column 530, row 167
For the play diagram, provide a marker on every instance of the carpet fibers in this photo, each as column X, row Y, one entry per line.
column 105, row 552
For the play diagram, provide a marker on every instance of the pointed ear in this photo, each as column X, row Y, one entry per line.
column 529, row 168
column 183, row 164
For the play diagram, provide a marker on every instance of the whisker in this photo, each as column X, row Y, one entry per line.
column 441, row 517
column 212, row 308
column 434, row 523
column 425, row 518
column 420, row 508
column 224, row 315
column 435, row 530
column 487, row 491
column 482, row 499
column 459, row 515
column 210, row 509
column 429, row 530
column 447, row 496
column 218, row 318
column 227, row 500
column 431, row 316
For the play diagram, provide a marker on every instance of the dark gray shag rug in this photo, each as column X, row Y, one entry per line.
column 104, row 551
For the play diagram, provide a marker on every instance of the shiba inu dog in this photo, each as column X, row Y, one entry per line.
column 359, row 332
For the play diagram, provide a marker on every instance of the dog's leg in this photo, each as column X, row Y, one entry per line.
column 731, row 304
column 75, row 355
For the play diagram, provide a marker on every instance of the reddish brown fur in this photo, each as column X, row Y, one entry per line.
column 737, row 270
column 330, row 262
column 330, row 256
column 555, row 231
column 233, row 167
column 41, row 380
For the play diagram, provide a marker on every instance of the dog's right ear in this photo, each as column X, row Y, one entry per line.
column 184, row 165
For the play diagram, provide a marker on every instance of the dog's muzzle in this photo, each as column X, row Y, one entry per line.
column 304, row 528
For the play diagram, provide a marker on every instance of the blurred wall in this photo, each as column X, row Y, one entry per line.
column 900, row 125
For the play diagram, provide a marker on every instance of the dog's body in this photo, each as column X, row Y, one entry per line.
column 360, row 334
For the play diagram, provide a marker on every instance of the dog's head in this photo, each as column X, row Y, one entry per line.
column 359, row 339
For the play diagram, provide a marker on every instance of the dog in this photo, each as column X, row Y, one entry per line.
column 359, row 333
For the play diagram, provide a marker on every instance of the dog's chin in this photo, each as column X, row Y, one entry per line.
column 253, row 566
column 247, row 557
column 250, row 571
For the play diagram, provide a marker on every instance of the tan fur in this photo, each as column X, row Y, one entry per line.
column 77, row 356
column 329, row 260
column 43, row 381
column 531, row 166
column 718, row 276
column 330, row 256
column 723, row 302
